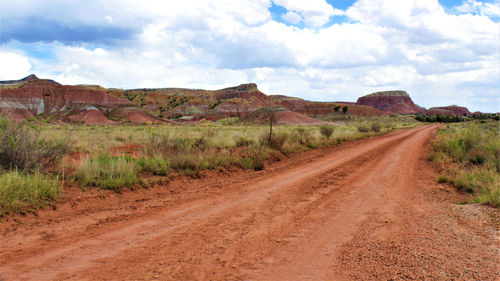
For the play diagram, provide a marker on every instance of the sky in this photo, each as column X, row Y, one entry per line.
column 441, row 52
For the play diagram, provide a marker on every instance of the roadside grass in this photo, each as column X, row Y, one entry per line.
column 107, row 172
column 21, row 192
column 26, row 161
column 191, row 149
column 470, row 157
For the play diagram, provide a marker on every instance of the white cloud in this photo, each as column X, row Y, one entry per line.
column 473, row 6
column 292, row 17
column 315, row 13
column 14, row 65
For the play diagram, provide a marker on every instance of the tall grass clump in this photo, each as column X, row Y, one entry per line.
column 155, row 165
column 326, row 130
column 22, row 148
column 470, row 153
column 107, row 172
column 21, row 192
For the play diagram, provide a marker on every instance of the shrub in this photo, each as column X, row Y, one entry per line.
column 301, row 135
column 256, row 163
column 376, row 127
column 363, row 129
column 22, row 192
column 326, row 130
column 23, row 149
column 471, row 151
column 276, row 142
column 107, row 172
column 241, row 141
column 156, row 165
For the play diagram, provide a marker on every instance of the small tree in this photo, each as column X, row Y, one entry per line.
column 344, row 109
column 336, row 108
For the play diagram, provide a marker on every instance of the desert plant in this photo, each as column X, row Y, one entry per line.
column 302, row 136
column 156, row 165
column 21, row 192
column 242, row 141
column 472, row 151
column 276, row 140
column 22, row 148
column 326, row 130
column 376, row 127
column 363, row 129
column 107, row 172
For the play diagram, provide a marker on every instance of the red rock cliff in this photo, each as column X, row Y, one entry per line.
column 397, row 102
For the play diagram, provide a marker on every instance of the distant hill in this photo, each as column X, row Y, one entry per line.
column 93, row 104
column 451, row 110
column 397, row 102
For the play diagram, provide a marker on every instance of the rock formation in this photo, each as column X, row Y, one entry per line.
column 397, row 102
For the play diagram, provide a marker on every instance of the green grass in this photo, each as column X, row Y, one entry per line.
column 107, row 172
column 189, row 149
column 470, row 153
column 24, row 192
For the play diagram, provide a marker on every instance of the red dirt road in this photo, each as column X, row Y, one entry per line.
column 367, row 210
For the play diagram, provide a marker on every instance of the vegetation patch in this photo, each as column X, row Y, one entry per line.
column 22, row 148
column 21, row 192
column 470, row 154
column 107, row 172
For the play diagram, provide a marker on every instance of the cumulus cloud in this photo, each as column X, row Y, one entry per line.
column 473, row 6
column 14, row 65
column 292, row 17
column 315, row 13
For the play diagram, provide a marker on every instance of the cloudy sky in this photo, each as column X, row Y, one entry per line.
column 442, row 52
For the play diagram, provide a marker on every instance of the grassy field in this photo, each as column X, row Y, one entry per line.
column 36, row 158
column 470, row 157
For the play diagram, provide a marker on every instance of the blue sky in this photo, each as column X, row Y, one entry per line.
column 441, row 52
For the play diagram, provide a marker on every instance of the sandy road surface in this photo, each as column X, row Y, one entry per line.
column 368, row 210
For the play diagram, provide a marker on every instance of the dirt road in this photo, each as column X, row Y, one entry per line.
column 367, row 210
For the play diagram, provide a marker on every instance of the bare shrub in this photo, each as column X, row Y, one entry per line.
column 376, row 127
column 326, row 130
column 23, row 149
column 276, row 141
column 363, row 129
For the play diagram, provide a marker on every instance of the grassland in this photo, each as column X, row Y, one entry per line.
column 469, row 154
column 125, row 156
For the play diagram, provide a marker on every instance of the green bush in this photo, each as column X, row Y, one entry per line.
column 363, row 128
column 326, row 130
column 376, row 127
column 24, row 192
column 256, row 163
column 157, row 165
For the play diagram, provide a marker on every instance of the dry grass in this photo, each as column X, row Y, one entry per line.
column 471, row 152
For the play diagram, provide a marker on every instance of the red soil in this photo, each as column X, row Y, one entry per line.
column 133, row 150
column 137, row 116
column 294, row 118
column 90, row 117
